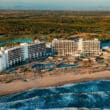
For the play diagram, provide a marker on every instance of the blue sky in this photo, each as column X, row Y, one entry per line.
column 56, row 4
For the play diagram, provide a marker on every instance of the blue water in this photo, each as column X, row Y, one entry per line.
column 21, row 40
column 67, row 65
column 50, row 66
column 92, row 94
column 16, row 41
column 105, row 44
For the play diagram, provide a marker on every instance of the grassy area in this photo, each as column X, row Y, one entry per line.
column 46, row 25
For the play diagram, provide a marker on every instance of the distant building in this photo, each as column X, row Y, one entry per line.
column 76, row 47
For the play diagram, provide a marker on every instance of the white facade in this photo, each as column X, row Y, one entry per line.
column 12, row 56
column 64, row 47
column 25, row 50
column 16, row 55
column 80, row 45
column 91, row 47
column 74, row 48
column 2, row 61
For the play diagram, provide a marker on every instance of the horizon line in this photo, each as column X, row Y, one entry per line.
column 91, row 10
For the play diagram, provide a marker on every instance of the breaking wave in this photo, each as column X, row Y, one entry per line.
column 85, row 95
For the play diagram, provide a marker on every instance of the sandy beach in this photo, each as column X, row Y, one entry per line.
column 50, row 81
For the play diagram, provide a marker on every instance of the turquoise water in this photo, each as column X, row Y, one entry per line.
column 67, row 65
column 105, row 44
column 92, row 94
column 50, row 66
column 17, row 41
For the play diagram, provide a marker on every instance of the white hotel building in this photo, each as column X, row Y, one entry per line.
column 75, row 48
column 64, row 47
column 12, row 56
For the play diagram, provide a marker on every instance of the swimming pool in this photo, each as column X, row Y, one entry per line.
column 51, row 66
column 67, row 65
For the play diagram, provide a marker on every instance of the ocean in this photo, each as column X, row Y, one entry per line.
column 92, row 95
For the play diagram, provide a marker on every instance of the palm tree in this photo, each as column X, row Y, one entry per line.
column 34, row 71
column 24, row 71
column 40, row 73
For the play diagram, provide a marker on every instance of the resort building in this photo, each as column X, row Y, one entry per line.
column 16, row 55
column 2, row 60
column 91, row 47
column 64, row 47
column 36, row 50
column 76, row 47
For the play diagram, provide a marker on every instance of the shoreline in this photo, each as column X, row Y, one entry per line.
column 50, row 81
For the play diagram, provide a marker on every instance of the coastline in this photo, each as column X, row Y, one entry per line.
column 50, row 81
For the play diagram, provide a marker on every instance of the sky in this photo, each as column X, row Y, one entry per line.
column 56, row 4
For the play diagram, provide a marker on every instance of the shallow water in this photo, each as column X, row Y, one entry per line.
column 92, row 94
